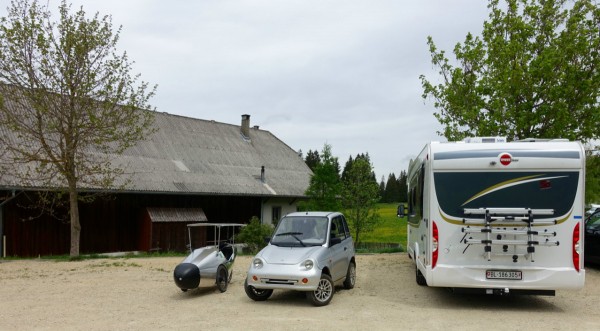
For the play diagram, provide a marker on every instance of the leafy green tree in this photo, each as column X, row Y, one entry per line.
column 254, row 234
column 592, row 177
column 533, row 72
column 360, row 195
column 69, row 99
column 347, row 167
column 325, row 185
column 350, row 162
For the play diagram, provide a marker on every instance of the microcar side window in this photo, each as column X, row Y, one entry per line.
column 337, row 228
column 346, row 229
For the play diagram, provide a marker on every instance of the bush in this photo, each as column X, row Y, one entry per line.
column 253, row 235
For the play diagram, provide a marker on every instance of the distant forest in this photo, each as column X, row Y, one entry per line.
column 393, row 189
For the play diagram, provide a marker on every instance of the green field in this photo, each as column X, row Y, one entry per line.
column 390, row 229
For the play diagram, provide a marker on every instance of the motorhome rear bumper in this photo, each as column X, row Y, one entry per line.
column 532, row 278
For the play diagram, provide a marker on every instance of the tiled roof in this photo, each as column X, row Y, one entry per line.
column 193, row 156
column 197, row 156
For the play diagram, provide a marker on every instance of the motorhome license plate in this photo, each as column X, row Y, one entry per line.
column 503, row 274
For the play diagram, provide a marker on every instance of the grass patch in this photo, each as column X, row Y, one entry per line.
column 390, row 229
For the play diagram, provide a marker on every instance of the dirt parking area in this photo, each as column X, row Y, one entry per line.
column 139, row 294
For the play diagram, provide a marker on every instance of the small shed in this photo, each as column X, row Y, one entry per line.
column 167, row 228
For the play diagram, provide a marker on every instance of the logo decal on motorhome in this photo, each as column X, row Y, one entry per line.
column 505, row 159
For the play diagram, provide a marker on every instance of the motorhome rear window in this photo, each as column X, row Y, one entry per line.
column 456, row 191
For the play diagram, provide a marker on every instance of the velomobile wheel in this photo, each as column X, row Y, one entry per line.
column 222, row 278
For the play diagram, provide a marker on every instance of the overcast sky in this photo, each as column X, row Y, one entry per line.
column 342, row 72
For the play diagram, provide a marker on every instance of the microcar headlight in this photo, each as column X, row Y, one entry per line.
column 257, row 263
column 308, row 264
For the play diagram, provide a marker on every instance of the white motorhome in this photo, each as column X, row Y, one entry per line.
column 498, row 217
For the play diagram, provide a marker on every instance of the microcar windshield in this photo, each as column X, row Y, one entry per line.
column 300, row 231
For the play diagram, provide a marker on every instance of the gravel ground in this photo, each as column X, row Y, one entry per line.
column 139, row 294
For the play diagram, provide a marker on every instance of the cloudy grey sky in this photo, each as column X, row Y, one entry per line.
column 342, row 72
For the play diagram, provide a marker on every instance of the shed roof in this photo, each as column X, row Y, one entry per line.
column 186, row 215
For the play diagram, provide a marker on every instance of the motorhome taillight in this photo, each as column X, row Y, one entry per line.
column 434, row 245
column 576, row 247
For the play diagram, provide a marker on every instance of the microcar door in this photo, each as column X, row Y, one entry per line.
column 340, row 253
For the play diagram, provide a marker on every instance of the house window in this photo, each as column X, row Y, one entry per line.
column 276, row 214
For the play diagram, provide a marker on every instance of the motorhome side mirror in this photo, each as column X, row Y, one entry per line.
column 401, row 211
column 267, row 239
column 334, row 241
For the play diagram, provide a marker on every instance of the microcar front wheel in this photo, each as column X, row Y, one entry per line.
column 256, row 294
column 324, row 292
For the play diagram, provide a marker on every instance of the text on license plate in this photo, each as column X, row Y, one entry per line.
column 504, row 274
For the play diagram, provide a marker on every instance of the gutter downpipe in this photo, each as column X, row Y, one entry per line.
column 262, row 208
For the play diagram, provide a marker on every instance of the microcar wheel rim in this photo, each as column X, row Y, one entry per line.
column 257, row 291
column 352, row 274
column 323, row 291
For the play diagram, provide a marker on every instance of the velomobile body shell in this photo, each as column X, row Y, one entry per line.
column 207, row 266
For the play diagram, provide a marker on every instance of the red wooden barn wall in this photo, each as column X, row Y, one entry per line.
column 115, row 224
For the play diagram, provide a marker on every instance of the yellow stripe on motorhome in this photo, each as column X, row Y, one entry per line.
column 446, row 218
column 500, row 185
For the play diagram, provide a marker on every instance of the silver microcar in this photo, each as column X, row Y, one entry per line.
column 309, row 251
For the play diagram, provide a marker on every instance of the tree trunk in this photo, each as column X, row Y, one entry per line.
column 75, row 226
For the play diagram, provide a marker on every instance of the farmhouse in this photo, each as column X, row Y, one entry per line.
column 188, row 170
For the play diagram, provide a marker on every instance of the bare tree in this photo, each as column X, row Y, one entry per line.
column 68, row 102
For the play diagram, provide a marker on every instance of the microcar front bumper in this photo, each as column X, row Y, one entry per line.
column 284, row 276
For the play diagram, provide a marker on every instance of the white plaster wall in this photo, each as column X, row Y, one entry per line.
column 285, row 205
